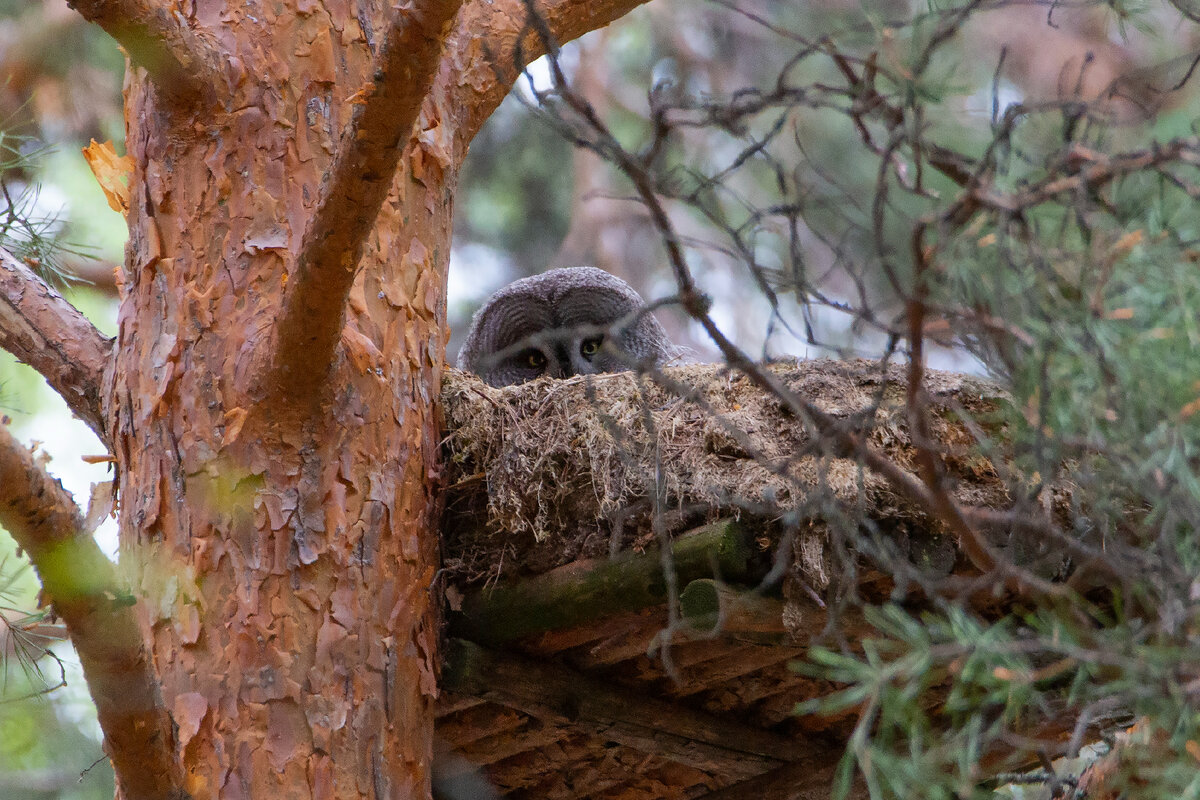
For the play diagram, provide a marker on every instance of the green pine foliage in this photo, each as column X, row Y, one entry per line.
column 1075, row 282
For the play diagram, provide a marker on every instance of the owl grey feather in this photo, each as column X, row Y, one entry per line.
column 570, row 321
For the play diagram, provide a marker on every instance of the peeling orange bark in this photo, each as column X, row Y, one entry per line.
column 287, row 569
column 285, row 557
column 310, row 322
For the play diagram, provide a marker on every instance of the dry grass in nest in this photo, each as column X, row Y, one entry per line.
column 553, row 470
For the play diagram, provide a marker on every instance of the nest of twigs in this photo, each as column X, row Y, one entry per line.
column 550, row 471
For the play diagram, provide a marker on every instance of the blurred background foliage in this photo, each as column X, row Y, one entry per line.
column 798, row 149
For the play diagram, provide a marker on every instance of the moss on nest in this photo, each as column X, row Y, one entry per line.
column 553, row 470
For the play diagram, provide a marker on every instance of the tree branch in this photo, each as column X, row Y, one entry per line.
column 493, row 42
column 49, row 334
column 314, row 308
column 82, row 584
column 585, row 590
column 183, row 63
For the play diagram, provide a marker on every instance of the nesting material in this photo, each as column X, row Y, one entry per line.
column 554, row 470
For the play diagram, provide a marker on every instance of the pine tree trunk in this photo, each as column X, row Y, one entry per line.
column 270, row 400
column 285, row 560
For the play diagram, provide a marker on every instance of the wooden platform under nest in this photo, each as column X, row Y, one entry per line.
column 584, row 661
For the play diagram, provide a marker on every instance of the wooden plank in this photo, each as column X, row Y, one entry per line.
column 804, row 780
column 479, row 722
column 596, row 777
column 534, row 736
column 684, row 649
column 711, row 674
column 576, row 755
column 621, row 625
column 449, row 704
column 561, row 696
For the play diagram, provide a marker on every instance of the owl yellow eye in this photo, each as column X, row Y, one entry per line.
column 534, row 359
column 589, row 347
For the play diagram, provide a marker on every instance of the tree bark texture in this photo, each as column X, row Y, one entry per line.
column 286, row 568
column 283, row 549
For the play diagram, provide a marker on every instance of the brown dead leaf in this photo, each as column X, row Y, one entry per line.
column 112, row 173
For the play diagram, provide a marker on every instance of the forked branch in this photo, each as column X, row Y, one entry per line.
column 314, row 308
column 506, row 35
column 82, row 584
column 42, row 329
column 182, row 62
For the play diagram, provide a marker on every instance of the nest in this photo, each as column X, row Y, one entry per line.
column 554, row 470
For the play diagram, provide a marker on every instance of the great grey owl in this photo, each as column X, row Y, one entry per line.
column 570, row 321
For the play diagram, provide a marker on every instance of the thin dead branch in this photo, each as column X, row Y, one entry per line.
column 42, row 329
column 926, row 492
column 82, row 584
column 183, row 62
column 314, row 309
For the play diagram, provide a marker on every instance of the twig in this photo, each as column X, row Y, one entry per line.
column 841, row 441
column 977, row 549
column 314, row 308
column 183, row 62
column 1089, row 170
column 46, row 332
column 82, row 584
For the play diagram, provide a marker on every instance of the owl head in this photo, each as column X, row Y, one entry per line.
column 570, row 321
